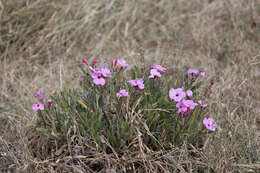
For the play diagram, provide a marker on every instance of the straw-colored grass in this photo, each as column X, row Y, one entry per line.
column 42, row 42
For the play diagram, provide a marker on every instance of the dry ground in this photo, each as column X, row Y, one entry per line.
column 42, row 42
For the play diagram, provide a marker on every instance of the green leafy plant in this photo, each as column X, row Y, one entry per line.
column 116, row 108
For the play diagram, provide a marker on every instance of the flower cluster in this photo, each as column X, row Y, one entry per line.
column 40, row 106
column 183, row 105
column 99, row 75
column 179, row 94
column 119, row 103
column 182, row 98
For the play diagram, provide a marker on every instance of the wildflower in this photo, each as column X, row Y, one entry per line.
column 185, row 106
column 158, row 67
column 208, row 123
column 36, row 107
column 84, row 61
column 189, row 104
column 181, row 108
column 105, row 72
column 95, row 73
column 177, row 94
column 94, row 70
column 154, row 73
column 202, row 105
column 99, row 81
column 97, row 76
column 38, row 95
column 122, row 93
column 189, row 93
column 203, row 74
column 49, row 102
column 122, row 63
column 137, row 83
column 193, row 72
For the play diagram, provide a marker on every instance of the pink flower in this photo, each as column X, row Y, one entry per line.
column 97, row 75
column 193, row 72
column 189, row 93
column 49, row 102
column 189, row 104
column 122, row 63
column 137, row 83
column 181, row 108
column 158, row 67
column 84, row 61
column 202, row 105
column 99, row 81
column 95, row 71
column 185, row 106
column 208, row 123
column 203, row 74
column 38, row 95
column 154, row 73
column 105, row 72
column 122, row 93
column 36, row 107
column 177, row 94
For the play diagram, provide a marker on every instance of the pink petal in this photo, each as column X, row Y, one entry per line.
column 203, row 74
column 99, row 81
column 189, row 93
column 38, row 95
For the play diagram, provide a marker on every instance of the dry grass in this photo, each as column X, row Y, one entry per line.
column 42, row 42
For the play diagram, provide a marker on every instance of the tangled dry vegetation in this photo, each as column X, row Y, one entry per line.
column 42, row 42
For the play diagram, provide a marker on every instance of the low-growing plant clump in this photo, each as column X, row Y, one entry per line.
column 124, row 109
